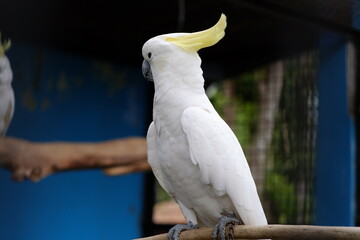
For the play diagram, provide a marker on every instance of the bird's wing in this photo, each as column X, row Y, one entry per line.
column 153, row 158
column 216, row 150
column 7, row 117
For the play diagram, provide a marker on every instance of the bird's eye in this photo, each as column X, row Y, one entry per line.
column 149, row 55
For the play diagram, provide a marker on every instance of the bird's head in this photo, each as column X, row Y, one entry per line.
column 172, row 55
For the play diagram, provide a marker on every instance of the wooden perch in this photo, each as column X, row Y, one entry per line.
column 289, row 232
column 34, row 161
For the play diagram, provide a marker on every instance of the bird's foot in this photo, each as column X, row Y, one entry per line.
column 225, row 227
column 175, row 231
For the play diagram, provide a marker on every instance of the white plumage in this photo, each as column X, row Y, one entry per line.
column 7, row 101
column 193, row 153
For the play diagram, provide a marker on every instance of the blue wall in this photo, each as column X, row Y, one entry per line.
column 61, row 97
column 335, row 173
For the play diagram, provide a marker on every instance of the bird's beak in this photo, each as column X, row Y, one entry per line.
column 146, row 71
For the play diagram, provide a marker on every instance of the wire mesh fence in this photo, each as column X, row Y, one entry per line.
column 273, row 112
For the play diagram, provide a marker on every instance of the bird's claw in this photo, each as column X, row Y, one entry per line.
column 220, row 228
column 175, row 231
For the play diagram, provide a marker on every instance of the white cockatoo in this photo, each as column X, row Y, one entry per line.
column 193, row 153
column 7, row 99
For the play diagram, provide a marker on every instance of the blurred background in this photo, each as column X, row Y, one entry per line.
column 284, row 78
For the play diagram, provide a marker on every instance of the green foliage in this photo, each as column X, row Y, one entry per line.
column 282, row 196
column 246, row 118
column 246, row 86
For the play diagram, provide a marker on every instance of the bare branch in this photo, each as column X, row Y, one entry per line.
column 34, row 161
column 289, row 232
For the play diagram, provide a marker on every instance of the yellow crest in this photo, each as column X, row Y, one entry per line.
column 193, row 42
column 4, row 46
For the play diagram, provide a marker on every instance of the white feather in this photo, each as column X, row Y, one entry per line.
column 7, row 100
column 222, row 162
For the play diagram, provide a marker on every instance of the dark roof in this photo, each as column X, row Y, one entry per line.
column 257, row 32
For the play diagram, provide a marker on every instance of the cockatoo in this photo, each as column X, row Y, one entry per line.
column 7, row 100
column 193, row 153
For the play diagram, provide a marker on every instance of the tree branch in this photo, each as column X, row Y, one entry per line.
column 289, row 232
column 34, row 161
